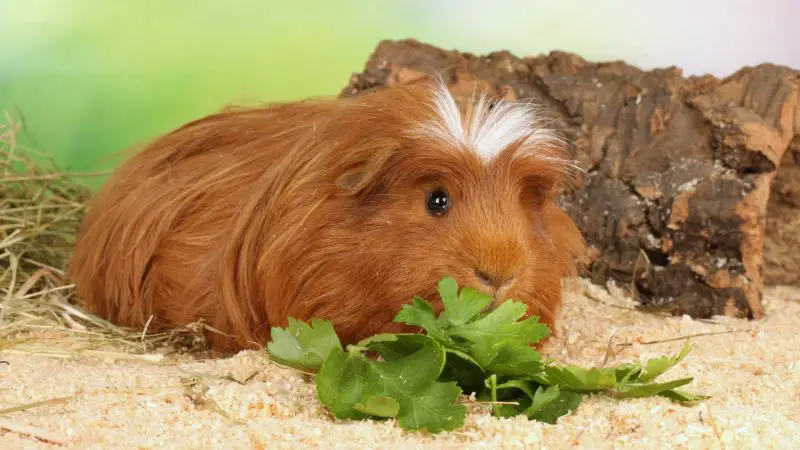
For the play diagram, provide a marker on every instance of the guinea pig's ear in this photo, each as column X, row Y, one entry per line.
column 538, row 189
column 542, row 179
column 352, row 179
column 363, row 175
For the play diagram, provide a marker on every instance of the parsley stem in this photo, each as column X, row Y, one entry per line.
column 493, row 387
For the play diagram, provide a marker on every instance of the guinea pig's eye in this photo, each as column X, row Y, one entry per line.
column 438, row 202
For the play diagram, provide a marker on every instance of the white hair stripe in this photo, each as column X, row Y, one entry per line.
column 490, row 128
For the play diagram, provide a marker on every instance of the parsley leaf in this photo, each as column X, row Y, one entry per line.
column 579, row 379
column 404, row 386
column 631, row 390
column 463, row 307
column 541, row 403
column 464, row 370
column 342, row 382
column 682, row 396
column 657, row 366
column 502, row 324
column 552, row 403
column 507, row 357
column 379, row 406
column 420, row 314
column 302, row 345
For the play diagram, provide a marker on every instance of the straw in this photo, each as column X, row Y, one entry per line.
column 41, row 209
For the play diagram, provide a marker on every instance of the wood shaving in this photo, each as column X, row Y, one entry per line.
column 754, row 378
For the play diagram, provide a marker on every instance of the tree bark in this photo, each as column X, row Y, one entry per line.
column 679, row 169
column 782, row 244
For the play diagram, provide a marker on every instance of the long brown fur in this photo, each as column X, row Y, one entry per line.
column 315, row 209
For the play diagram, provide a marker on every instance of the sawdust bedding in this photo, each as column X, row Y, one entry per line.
column 752, row 369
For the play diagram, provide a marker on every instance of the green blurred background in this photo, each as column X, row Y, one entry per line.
column 93, row 77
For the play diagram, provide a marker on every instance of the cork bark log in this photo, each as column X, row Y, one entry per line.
column 782, row 244
column 679, row 169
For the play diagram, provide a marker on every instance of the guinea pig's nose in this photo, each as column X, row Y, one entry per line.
column 493, row 279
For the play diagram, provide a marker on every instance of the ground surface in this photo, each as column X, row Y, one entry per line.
column 753, row 375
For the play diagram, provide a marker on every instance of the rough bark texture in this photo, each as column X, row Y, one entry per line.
column 782, row 244
column 679, row 169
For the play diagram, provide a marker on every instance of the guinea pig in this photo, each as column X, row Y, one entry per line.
column 342, row 209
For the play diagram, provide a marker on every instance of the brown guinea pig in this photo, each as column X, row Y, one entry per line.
column 342, row 209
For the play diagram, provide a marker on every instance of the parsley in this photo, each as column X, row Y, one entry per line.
column 404, row 385
column 419, row 377
column 301, row 345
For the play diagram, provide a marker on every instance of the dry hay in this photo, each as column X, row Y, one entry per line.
column 40, row 213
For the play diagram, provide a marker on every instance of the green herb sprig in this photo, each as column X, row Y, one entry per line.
column 418, row 378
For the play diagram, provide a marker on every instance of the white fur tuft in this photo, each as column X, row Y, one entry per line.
column 448, row 112
column 489, row 129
